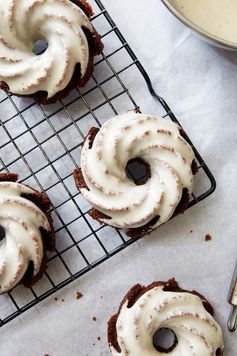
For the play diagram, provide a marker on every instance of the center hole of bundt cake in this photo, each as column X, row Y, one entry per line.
column 138, row 171
column 40, row 47
column 164, row 340
column 2, row 232
column 218, row 352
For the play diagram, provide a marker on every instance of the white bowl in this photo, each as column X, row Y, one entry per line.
column 206, row 36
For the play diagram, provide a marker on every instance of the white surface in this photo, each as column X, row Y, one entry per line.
column 199, row 82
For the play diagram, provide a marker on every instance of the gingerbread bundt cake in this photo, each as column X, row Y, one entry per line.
column 72, row 42
column 116, row 199
column 26, row 232
column 162, row 306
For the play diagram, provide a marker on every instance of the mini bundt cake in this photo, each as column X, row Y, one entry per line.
column 161, row 306
column 26, row 232
column 117, row 200
column 72, row 42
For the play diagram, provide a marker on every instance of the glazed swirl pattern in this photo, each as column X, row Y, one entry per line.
column 21, row 220
column 128, row 136
column 59, row 22
column 197, row 333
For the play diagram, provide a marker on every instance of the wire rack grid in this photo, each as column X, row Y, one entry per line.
column 43, row 145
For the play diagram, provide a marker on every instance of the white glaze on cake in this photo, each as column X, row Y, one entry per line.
column 198, row 334
column 59, row 22
column 21, row 219
column 132, row 135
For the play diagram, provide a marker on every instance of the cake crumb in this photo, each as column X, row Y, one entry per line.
column 98, row 338
column 93, row 344
column 55, row 301
column 46, row 355
column 62, row 300
column 191, row 231
column 94, row 318
column 79, row 295
column 208, row 237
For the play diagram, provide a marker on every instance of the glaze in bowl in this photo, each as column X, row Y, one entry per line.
column 200, row 31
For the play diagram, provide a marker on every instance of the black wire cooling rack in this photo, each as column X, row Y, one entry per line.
column 43, row 144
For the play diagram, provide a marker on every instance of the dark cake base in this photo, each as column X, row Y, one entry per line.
column 95, row 48
column 43, row 203
column 135, row 233
column 136, row 292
